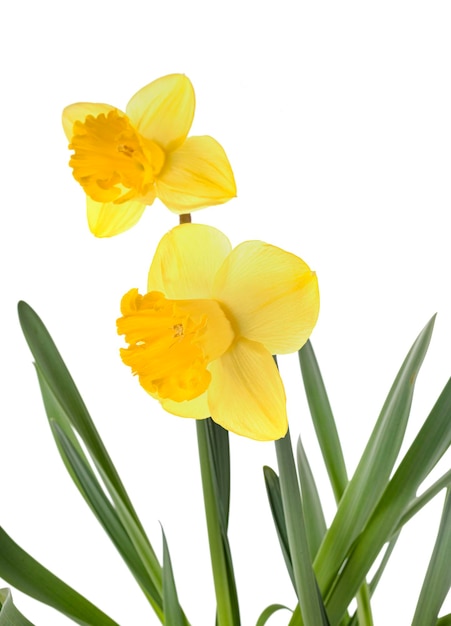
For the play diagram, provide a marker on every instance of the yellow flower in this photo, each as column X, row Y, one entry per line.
column 124, row 161
column 201, row 339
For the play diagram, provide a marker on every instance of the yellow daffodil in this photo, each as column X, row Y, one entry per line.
column 201, row 339
column 124, row 161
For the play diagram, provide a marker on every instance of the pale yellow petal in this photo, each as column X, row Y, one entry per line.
column 197, row 408
column 79, row 111
column 163, row 111
column 196, row 175
column 108, row 219
column 246, row 394
column 272, row 295
column 186, row 261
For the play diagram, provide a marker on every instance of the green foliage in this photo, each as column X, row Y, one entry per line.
column 9, row 615
column 327, row 566
column 26, row 574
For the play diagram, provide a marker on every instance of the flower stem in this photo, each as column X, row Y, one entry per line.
column 306, row 586
column 225, row 612
column 364, row 612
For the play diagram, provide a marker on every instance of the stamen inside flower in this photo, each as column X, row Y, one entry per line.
column 171, row 342
column 111, row 161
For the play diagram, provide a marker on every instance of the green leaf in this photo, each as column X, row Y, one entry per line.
column 270, row 610
column 323, row 420
column 419, row 502
column 383, row 564
column 23, row 572
column 437, row 581
column 432, row 441
column 310, row 601
column 315, row 524
column 275, row 502
column 444, row 621
column 373, row 471
column 219, row 453
column 58, row 379
column 65, row 407
column 218, row 441
column 101, row 506
column 221, row 559
column 173, row 614
column 9, row 615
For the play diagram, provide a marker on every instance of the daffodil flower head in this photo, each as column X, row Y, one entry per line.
column 201, row 340
column 124, row 161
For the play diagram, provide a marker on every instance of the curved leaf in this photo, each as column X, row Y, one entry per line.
column 9, row 615
column 23, row 572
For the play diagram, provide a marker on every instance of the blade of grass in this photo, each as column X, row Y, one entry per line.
column 9, row 614
column 432, row 441
column 23, row 572
column 437, row 581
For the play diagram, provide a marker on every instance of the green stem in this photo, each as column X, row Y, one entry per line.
column 225, row 615
column 306, row 586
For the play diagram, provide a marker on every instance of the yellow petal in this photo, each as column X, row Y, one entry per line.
column 186, row 261
column 79, row 111
column 196, row 175
column 109, row 219
column 163, row 111
column 246, row 394
column 272, row 295
column 197, row 408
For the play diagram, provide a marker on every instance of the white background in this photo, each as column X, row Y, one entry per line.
column 336, row 119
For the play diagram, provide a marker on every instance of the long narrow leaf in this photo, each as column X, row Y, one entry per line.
column 218, row 439
column 132, row 528
column 65, row 407
column 373, row 471
column 437, row 581
column 323, row 420
column 219, row 453
column 275, row 502
column 107, row 516
column 60, row 382
column 270, row 610
column 224, row 581
column 173, row 614
column 310, row 600
column 420, row 501
column 23, row 572
column 9, row 615
column 432, row 441
column 315, row 524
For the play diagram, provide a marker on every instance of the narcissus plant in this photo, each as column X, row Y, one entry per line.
column 124, row 161
column 201, row 340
